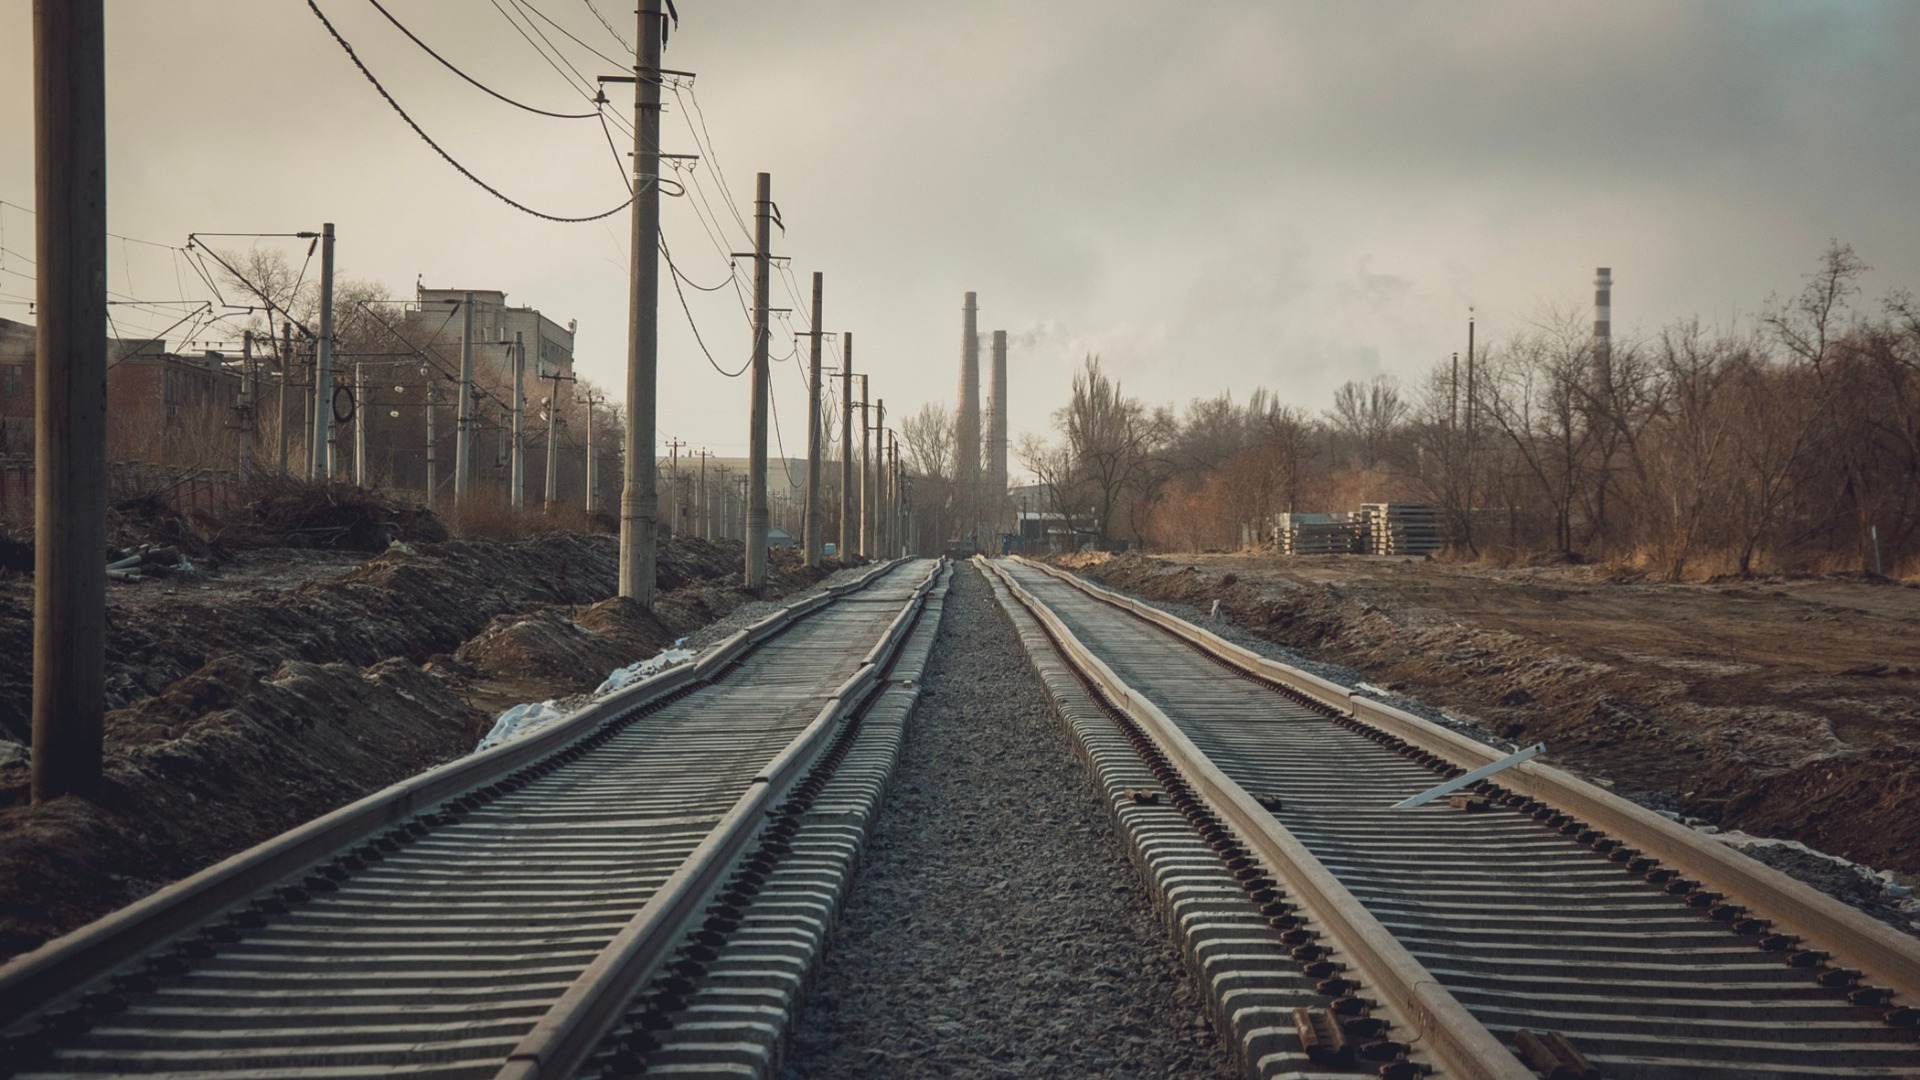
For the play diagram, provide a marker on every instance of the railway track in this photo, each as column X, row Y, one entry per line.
column 493, row 917
column 1535, row 917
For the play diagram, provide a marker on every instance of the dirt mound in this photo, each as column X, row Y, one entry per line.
column 547, row 644
column 289, row 513
column 291, row 682
column 150, row 520
column 222, row 759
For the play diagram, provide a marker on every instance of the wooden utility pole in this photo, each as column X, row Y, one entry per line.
column 639, row 496
column 846, row 446
column 463, row 411
column 320, row 460
column 814, row 527
column 756, row 525
column 70, row 408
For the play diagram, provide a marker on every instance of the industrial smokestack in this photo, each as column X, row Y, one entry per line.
column 996, row 495
column 1603, row 311
column 966, row 423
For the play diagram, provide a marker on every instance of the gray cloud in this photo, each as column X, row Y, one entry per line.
column 1213, row 197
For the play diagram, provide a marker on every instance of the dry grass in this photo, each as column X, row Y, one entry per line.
column 490, row 516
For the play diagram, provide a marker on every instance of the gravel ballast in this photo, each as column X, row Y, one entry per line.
column 997, row 928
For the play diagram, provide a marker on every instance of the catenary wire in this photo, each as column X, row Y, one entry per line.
column 462, row 169
column 609, row 26
column 451, row 66
column 576, row 40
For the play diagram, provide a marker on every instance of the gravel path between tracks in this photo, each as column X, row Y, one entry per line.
column 997, row 928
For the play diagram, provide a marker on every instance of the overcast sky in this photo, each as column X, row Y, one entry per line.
column 1213, row 196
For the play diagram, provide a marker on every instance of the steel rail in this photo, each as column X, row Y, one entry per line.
column 1460, row 1044
column 576, row 1023
column 1852, row 937
column 45, row 979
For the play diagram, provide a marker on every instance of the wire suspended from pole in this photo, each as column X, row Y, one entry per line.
column 450, row 66
column 417, row 130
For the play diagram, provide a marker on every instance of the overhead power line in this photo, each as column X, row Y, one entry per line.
column 609, row 26
column 676, row 277
column 450, row 66
column 418, row 130
column 528, row 4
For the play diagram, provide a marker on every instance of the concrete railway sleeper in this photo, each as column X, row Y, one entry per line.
column 1587, row 935
column 727, row 1003
column 492, row 917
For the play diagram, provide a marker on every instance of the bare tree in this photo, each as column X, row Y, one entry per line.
column 1111, row 439
column 928, row 435
column 1367, row 413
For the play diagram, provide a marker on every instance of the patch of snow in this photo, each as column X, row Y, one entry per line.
column 520, row 720
column 653, row 665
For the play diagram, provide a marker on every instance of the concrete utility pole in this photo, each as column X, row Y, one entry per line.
column 966, row 422
column 553, row 451
column 320, row 462
column 70, row 407
column 885, row 542
column 1472, row 436
column 910, row 514
column 517, row 474
column 756, row 532
column 639, row 497
column 286, row 390
column 871, row 519
column 553, row 442
column 433, row 467
column 996, row 494
column 249, row 390
column 815, row 437
column 866, row 463
column 893, row 495
column 882, row 538
column 593, row 467
column 701, row 526
column 463, row 412
column 846, row 446
column 673, row 484
column 359, row 425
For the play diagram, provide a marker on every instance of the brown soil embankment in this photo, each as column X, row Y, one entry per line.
column 1786, row 708
column 288, row 683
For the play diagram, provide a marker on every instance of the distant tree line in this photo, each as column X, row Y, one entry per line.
column 1790, row 442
